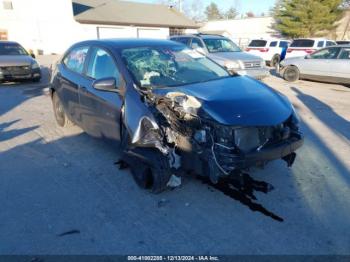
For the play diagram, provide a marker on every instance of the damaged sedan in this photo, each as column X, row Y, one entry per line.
column 172, row 110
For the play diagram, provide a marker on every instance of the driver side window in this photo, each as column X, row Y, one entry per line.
column 102, row 65
column 328, row 53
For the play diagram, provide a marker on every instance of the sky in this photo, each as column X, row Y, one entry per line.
column 256, row 6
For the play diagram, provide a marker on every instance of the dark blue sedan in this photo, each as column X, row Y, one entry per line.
column 171, row 109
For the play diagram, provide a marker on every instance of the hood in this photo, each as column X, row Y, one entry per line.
column 15, row 60
column 237, row 101
column 225, row 56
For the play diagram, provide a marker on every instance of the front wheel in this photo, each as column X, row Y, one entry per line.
column 60, row 115
column 275, row 60
column 291, row 74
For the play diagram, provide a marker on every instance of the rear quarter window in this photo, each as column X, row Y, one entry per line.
column 258, row 43
column 303, row 43
column 320, row 43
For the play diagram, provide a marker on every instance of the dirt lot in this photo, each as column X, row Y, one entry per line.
column 62, row 194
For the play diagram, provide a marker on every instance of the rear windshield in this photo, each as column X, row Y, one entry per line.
column 258, row 43
column 343, row 42
column 12, row 49
column 303, row 43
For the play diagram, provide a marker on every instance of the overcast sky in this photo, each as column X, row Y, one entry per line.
column 243, row 6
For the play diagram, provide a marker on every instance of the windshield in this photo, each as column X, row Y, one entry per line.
column 12, row 49
column 169, row 66
column 221, row 45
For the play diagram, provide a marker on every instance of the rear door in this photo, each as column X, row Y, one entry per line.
column 100, row 110
column 69, row 78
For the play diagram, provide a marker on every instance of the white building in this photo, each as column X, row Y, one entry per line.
column 51, row 26
column 242, row 30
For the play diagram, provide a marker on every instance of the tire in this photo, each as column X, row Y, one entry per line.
column 155, row 174
column 60, row 116
column 275, row 60
column 152, row 172
column 291, row 74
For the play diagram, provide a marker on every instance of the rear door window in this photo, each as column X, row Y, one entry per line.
column 196, row 43
column 320, row 44
column 327, row 53
column 283, row 44
column 273, row 44
column 75, row 59
column 258, row 43
column 303, row 43
column 184, row 40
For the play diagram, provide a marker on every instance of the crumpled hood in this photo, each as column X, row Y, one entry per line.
column 223, row 57
column 15, row 60
column 237, row 101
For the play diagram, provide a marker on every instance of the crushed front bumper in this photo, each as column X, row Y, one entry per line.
column 223, row 161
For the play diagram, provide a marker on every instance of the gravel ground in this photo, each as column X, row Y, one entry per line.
column 62, row 194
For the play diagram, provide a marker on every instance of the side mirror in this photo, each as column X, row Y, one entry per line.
column 106, row 84
column 32, row 55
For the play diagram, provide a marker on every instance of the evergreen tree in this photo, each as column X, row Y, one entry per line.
column 212, row 12
column 306, row 18
column 231, row 13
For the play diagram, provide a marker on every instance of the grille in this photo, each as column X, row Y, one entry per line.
column 252, row 64
column 16, row 70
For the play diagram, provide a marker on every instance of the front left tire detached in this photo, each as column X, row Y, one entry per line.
column 151, row 170
column 291, row 74
column 60, row 116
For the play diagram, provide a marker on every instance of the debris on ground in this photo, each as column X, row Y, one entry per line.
column 174, row 181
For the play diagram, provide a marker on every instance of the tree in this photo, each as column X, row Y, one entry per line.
column 231, row 13
column 212, row 12
column 306, row 18
column 250, row 14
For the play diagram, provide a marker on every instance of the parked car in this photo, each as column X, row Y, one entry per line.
column 226, row 53
column 171, row 109
column 343, row 42
column 306, row 46
column 16, row 64
column 270, row 50
column 331, row 64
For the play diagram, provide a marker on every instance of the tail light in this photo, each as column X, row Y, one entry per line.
column 309, row 51
column 264, row 50
column 289, row 50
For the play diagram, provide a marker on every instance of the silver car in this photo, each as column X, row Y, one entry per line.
column 331, row 64
column 226, row 53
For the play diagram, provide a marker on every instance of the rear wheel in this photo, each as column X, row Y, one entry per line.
column 275, row 60
column 291, row 74
column 60, row 115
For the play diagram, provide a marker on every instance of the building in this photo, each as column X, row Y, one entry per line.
column 51, row 26
column 242, row 30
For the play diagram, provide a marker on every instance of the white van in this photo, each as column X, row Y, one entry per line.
column 268, row 49
column 306, row 46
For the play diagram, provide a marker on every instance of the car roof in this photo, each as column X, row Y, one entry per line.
column 270, row 39
column 203, row 36
column 8, row 42
column 128, row 42
column 316, row 39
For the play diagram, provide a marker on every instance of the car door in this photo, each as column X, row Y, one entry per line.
column 100, row 110
column 318, row 63
column 70, row 78
column 340, row 67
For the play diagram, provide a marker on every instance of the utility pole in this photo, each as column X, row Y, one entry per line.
column 180, row 5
